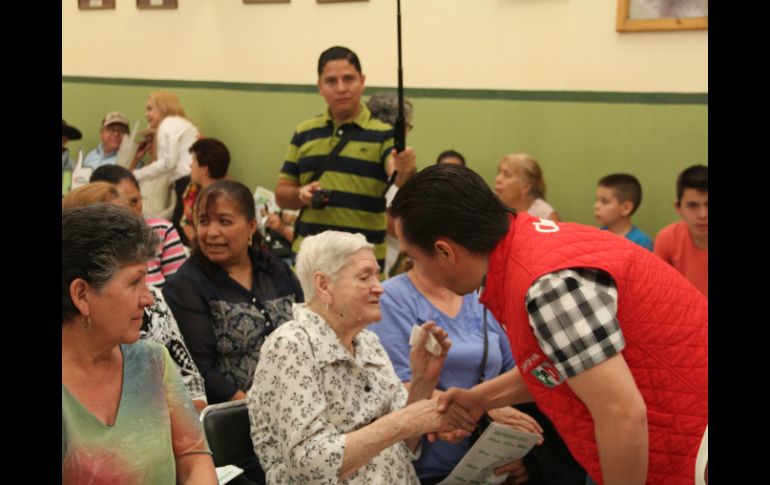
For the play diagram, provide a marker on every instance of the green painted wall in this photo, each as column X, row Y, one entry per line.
column 577, row 137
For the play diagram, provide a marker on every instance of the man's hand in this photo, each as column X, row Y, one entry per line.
column 306, row 192
column 404, row 162
column 466, row 398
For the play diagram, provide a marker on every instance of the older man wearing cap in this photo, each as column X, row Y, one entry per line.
column 114, row 127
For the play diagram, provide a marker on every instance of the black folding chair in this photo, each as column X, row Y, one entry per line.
column 228, row 433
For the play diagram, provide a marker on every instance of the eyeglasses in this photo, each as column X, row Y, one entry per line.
column 116, row 129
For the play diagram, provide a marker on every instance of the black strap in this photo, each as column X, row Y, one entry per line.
column 485, row 419
column 486, row 349
column 348, row 132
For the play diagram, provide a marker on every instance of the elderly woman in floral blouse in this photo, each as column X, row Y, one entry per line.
column 326, row 406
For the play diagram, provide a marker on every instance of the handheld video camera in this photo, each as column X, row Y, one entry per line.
column 320, row 199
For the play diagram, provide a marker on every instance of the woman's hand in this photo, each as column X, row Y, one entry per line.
column 142, row 149
column 191, row 233
column 518, row 472
column 516, row 419
column 424, row 365
column 522, row 421
column 422, row 417
column 454, row 436
column 274, row 222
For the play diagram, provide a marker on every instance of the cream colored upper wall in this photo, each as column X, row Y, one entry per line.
column 561, row 45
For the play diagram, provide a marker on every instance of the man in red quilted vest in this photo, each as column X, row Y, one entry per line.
column 609, row 340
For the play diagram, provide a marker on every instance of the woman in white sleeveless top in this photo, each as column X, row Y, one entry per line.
column 174, row 134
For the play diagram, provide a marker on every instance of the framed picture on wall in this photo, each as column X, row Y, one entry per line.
column 96, row 4
column 652, row 15
column 156, row 4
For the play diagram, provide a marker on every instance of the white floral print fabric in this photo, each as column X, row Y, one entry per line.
column 308, row 391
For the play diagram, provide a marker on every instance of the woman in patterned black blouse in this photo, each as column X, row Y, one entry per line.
column 231, row 293
column 326, row 406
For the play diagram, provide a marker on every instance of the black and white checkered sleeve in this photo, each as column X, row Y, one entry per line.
column 573, row 314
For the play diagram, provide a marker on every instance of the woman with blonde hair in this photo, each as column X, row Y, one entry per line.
column 520, row 185
column 163, row 180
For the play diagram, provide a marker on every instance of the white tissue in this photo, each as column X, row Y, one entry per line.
column 431, row 345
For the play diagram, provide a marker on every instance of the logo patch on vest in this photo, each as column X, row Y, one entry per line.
column 545, row 225
column 541, row 369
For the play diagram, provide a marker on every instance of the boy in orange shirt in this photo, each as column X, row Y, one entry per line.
column 684, row 244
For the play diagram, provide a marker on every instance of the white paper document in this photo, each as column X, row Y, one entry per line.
column 265, row 197
column 227, row 473
column 128, row 147
column 80, row 174
column 496, row 446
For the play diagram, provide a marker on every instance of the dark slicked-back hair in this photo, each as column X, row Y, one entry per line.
column 448, row 154
column 695, row 177
column 625, row 187
column 96, row 240
column 113, row 174
column 337, row 53
column 450, row 201
column 212, row 153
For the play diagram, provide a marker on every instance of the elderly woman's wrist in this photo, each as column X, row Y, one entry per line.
column 396, row 425
column 421, row 388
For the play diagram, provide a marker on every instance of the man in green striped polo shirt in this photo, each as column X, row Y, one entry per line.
column 358, row 176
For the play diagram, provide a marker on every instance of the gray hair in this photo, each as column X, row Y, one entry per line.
column 527, row 168
column 384, row 106
column 96, row 240
column 327, row 252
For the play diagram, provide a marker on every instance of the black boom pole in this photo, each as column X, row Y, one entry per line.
column 400, row 135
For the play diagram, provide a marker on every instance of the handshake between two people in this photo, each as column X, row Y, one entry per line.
column 450, row 415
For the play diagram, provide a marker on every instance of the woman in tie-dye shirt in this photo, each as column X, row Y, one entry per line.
column 126, row 416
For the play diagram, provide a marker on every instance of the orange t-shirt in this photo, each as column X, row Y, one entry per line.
column 674, row 244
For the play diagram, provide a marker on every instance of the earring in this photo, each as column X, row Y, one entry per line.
column 250, row 240
column 85, row 321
